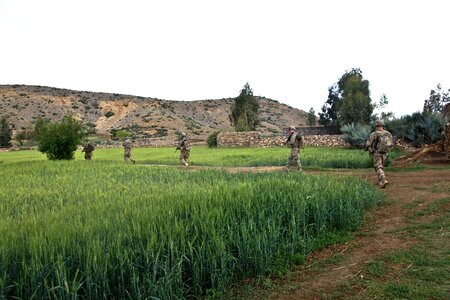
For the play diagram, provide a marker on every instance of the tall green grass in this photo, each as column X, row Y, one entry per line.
column 102, row 229
column 312, row 157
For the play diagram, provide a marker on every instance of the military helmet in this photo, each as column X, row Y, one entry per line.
column 379, row 123
column 291, row 128
column 183, row 134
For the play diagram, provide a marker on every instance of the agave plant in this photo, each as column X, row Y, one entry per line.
column 355, row 134
column 418, row 128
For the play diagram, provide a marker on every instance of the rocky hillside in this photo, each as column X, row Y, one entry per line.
column 145, row 117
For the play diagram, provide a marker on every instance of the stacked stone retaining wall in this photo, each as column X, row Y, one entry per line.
column 256, row 139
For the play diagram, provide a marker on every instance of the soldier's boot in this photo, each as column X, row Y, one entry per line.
column 134, row 161
column 382, row 182
column 184, row 162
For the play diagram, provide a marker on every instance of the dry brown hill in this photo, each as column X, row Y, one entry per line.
column 145, row 117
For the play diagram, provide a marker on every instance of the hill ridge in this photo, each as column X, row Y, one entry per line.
column 144, row 116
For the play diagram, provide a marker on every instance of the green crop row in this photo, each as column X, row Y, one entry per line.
column 102, row 230
column 223, row 157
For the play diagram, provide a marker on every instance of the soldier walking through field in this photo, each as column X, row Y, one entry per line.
column 88, row 149
column 379, row 144
column 295, row 141
column 185, row 147
column 128, row 146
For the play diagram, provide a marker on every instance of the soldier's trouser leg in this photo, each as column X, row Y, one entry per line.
column 288, row 165
column 127, row 158
column 299, row 164
column 184, row 155
column 378, row 164
column 294, row 156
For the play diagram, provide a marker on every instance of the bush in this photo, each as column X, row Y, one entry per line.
column 355, row 135
column 109, row 114
column 5, row 133
column 211, row 141
column 418, row 128
column 121, row 134
column 59, row 140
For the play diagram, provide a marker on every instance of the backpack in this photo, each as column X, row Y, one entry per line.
column 384, row 144
column 186, row 145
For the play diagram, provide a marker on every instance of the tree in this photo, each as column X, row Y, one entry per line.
column 437, row 100
column 244, row 114
column 311, row 119
column 5, row 133
column 329, row 115
column 348, row 101
column 385, row 116
column 59, row 140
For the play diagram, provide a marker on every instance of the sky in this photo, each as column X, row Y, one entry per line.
column 291, row 51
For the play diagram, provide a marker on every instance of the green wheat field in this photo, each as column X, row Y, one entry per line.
column 103, row 229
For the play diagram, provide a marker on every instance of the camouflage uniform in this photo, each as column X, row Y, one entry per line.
column 295, row 141
column 88, row 149
column 379, row 158
column 127, row 146
column 185, row 148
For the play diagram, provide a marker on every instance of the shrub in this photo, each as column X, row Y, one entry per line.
column 211, row 141
column 109, row 114
column 59, row 140
column 355, row 134
column 120, row 134
column 418, row 128
column 5, row 133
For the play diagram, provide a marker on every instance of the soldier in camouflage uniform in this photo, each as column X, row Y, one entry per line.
column 295, row 141
column 127, row 146
column 379, row 144
column 185, row 147
column 88, row 149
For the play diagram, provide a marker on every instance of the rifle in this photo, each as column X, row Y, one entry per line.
column 178, row 148
column 373, row 146
column 287, row 140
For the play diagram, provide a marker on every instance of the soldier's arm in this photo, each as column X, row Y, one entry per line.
column 370, row 140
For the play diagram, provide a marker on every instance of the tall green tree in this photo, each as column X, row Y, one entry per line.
column 438, row 98
column 59, row 140
column 348, row 101
column 311, row 120
column 5, row 133
column 330, row 110
column 245, row 111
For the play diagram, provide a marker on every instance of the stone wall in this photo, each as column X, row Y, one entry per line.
column 309, row 130
column 255, row 139
column 239, row 139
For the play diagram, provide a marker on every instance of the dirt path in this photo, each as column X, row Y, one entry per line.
column 408, row 192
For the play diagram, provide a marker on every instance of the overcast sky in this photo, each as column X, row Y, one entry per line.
column 290, row 51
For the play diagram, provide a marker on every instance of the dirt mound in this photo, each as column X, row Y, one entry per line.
column 434, row 153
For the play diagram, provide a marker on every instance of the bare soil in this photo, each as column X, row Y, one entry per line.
column 408, row 192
